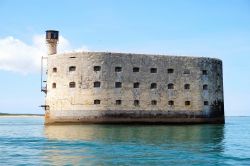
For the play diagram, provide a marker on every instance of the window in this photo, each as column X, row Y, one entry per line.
column 136, row 69
column 72, row 84
column 136, row 85
column 204, row 72
column 170, row 70
column 97, row 84
column 205, row 102
column 97, row 68
column 118, row 69
column 118, row 84
column 53, row 85
column 170, row 86
column 187, row 86
column 153, row 102
column 153, row 86
column 187, row 102
column 72, row 68
column 54, row 70
column 171, row 102
column 118, row 102
column 153, row 70
column 72, row 57
column 136, row 102
column 97, row 101
column 186, row 71
column 205, row 87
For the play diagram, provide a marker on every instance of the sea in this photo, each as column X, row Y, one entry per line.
column 27, row 141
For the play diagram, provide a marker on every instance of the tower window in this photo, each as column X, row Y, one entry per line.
column 136, row 69
column 153, row 86
column 136, row 85
column 187, row 86
column 205, row 102
column 186, row 71
column 153, row 70
column 54, row 85
column 97, row 68
column 171, row 102
column 136, row 102
column 118, row 102
column 170, row 70
column 153, row 102
column 205, row 87
column 187, row 102
column 118, row 69
column 170, row 86
column 72, row 84
column 118, row 84
column 54, row 70
column 97, row 84
column 204, row 72
column 72, row 68
column 97, row 101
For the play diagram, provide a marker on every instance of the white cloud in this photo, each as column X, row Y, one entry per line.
column 18, row 56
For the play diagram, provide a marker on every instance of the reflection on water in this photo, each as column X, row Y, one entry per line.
column 133, row 145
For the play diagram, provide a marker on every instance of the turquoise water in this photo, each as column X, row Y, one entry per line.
column 26, row 141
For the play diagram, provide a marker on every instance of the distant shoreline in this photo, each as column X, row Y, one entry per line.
column 20, row 115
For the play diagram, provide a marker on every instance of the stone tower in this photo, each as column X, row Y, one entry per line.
column 51, row 40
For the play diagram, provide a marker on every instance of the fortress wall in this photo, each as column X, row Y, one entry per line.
column 79, row 101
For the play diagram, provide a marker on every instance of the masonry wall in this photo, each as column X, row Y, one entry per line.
column 203, row 75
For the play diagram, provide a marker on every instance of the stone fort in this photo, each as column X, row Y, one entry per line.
column 106, row 87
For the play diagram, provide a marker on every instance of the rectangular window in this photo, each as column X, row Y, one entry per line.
column 204, row 72
column 118, row 102
column 136, row 85
column 153, row 102
column 118, row 69
column 97, row 101
column 187, row 102
column 118, row 84
column 153, row 70
column 97, row 84
column 136, row 69
column 54, row 70
column 170, row 70
column 136, row 102
column 186, row 71
column 205, row 102
column 97, row 68
column 72, row 68
column 171, row 102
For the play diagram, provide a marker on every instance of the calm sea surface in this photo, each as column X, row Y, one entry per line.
column 26, row 141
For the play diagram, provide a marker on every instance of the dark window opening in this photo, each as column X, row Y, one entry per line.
column 136, row 85
column 187, row 102
column 118, row 84
column 72, row 57
column 72, row 68
column 97, row 101
column 170, row 70
column 204, row 72
column 136, row 69
column 153, row 86
column 54, row 85
column 187, row 86
column 136, row 102
column 72, row 84
column 186, row 71
column 54, row 70
column 118, row 69
column 171, row 102
column 205, row 87
column 118, row 102
column 153, row 102
column 205, row 102
column 170, row 86
column 153, row 70
column 97, row 68
column 97, row 84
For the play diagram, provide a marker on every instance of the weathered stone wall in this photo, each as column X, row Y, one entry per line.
column 77, row 104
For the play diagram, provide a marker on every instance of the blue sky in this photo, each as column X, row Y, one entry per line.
column 179, row 27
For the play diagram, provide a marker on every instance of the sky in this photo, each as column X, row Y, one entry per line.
column 209, row 28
